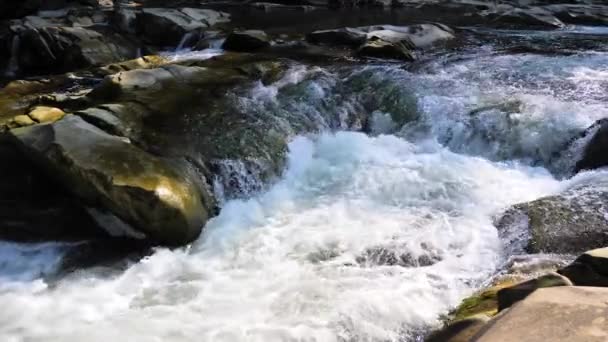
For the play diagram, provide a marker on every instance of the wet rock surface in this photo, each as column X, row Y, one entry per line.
column 63, row 48
column 34, row 207
column 244, row 41
column 165, row 27
column 594, row 153
column 122, row 153
column 589, row 269
column 145, row 192
column 571, row 222
column 392, row 42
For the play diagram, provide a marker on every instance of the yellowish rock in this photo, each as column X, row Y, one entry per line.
column 23, row 120
column 43, row 114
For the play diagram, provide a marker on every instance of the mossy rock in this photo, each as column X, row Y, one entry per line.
column 504, row 293
column 484, row 302
column 189, row 111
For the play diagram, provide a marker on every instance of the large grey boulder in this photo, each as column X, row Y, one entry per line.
column 245, row 41
column 529, row 17
column 384, row 41
column 571, row 222
column 167, row 26
column 108, row 172
column 342, row 36
column 419, row 36
column 68, row 48
column 588, row 14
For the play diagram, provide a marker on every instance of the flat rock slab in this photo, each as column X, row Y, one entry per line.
column 572, row 314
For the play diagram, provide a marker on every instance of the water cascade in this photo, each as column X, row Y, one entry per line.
column 375, row 228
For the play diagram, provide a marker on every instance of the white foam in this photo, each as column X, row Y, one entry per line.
column 560, row 96
column 257, row 274
column 182, row 55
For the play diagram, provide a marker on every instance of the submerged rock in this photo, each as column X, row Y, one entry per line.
column 249, row 40
column 398, row 256
column 571, row 222
column 105, row 170
column 382, row 49
column 482, row 303
column 113, row 254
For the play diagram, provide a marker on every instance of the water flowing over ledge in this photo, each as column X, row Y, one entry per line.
column 363, row 237
column 358, row 233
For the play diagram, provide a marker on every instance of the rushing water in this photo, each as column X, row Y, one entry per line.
column 364, row 238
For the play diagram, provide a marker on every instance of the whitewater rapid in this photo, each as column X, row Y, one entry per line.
column 309, row 260
column 363, row 238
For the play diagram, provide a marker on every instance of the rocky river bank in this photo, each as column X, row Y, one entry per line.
column 304, row 170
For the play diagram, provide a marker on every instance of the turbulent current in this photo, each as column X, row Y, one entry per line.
column 365, row 237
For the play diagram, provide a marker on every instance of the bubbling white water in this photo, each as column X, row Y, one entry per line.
column 287, row 265
column 535, row 104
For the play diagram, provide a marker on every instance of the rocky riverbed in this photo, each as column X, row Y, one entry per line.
column 399, row 170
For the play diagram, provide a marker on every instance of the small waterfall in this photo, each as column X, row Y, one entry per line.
column 13, row 64
column 187, row 38
column 237, row 178
column 216, row 43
